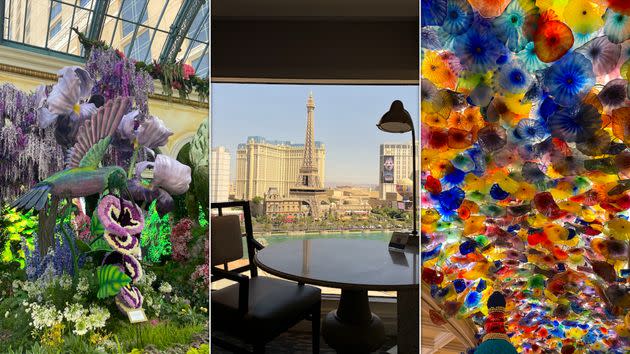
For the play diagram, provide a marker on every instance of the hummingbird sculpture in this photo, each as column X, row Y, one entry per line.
column 83, row 175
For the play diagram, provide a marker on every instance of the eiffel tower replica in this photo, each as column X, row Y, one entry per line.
column 309, row 188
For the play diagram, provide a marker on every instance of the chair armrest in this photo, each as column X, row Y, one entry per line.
column 243, row 287
column 257, row 245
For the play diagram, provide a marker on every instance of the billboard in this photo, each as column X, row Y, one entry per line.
column 388, row 169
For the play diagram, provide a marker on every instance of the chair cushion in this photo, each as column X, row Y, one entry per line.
column 274, row 306
column 226, row 240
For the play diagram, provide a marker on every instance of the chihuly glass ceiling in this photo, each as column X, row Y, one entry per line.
column 144, row 30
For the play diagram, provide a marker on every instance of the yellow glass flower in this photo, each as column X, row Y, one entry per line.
column 583, row 16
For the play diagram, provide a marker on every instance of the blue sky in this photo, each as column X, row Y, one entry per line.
column 345, row 121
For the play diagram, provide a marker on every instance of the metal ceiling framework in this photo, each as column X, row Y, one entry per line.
column 97, row 12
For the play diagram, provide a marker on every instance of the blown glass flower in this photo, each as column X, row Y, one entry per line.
column 552, row 40
column 617, row 26
column 569, row 79
column 512, row 77
column 509, row 25
column 575, row 123
column 433, row 12
column 478, row 49
column 602, row 53
column 459, row 17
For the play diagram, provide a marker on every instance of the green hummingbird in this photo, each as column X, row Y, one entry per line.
column 83, row 176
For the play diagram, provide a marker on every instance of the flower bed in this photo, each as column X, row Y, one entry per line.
column 97, row 252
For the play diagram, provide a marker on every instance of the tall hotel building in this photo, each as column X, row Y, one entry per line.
column 395, row 163
column 220, row 174
column 262, row 164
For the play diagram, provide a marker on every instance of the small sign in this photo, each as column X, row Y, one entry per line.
column 398, row 241
column 136, row 315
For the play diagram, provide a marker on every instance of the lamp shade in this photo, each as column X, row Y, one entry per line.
column 396, row 120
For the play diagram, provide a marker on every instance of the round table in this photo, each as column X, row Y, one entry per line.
column 354, row 266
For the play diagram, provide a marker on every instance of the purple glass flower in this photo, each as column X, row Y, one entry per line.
column 153, row 133
column 74, row 84
column 129, row 221
column 127, row 126
column 168, row 174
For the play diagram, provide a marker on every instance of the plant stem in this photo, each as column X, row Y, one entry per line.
column 134, row 157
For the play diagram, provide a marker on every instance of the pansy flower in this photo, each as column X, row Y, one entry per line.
column 129, row 298
column 130, row 264
column 128, row 244
column 129, row 221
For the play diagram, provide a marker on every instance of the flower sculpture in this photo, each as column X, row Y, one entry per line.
column 525, row 136
column 123, row 221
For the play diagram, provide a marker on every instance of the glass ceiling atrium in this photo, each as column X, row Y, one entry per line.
column 145, row 30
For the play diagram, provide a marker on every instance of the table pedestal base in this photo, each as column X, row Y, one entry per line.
column 353, row 328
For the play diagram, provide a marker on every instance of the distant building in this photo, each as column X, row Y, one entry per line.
column 395, row 163
column 262, row 164
column 220, row 174
column 279, row 206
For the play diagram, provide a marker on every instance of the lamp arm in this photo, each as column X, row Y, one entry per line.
column 415, row 181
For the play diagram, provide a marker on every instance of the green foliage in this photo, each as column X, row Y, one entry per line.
column 13, row 227
column 257, row 200
column 94, row 156
column 110, row 280
column 160, row 336
column 155, row 238
column 203, row 349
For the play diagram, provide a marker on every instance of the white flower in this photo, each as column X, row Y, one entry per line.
column 98, row 316
column 74, row 312
column 44, row 316
column 81, row 326
column 83, row 285
column 165, row 288
column 6, row 314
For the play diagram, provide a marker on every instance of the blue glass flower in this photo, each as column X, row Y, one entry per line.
column 529, row 58
column 452, row 198
column 453, row 178
column 433, row 12
column 497, row 193
column 575, row 123
column 617, row 26
column 570, row 78
column 467, row 247
column 509, row 26
column 459, row 17
column 429, row 38
column 460, row 285
column 472, row 299
column 513, row 78
column 531, row 130
column 478, row 49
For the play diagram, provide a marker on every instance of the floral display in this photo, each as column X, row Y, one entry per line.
column 525, row 168
column 82, row 183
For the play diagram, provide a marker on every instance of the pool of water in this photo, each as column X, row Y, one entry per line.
column 273, row 239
